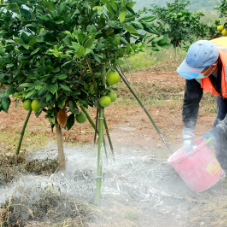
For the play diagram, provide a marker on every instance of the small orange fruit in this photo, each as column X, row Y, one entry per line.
column 35, row 105
column 112, row 95
column 224, row 32
column 81, row 117
column 105, row 101
column 112, row 77
column 27, row 104
column 220, row 28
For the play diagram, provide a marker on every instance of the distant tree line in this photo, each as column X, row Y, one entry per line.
column 203, row 5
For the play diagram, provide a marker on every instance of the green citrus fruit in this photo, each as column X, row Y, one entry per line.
column 117, row 38
column 112, row 95
column 105, row 101
column 27, row 104
column 92, row 89
column 112, row 77
column 86, row 87
column 81, row 118
column 224, row 32
column 35, row 105
column 220, row 28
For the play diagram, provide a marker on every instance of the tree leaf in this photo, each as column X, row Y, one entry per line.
column 89, row 42
column 137, row 25
column 122, row 16
column 65, row 87
column 91, row 29
column 10, row 91
column 5, row 104
column 80, row 52
column 87, row 51
column 16, row 103
column 26, row 85
column 30, row 93
column 26, row 46
column 49, row 96
column 2, row 51
column 32, row 40
column 130, row 10
column 62, row 77
column 43, row 90
column 25, row 13
column 147, row 18
column 24, row 37
column 131, row 4
column 53, row 88
column 35, row 51
column 120, row 62
column 81, row 37
column 70, row 121
column 130, row 29
column 72, row 106
column 61, row 103
column 76, row 46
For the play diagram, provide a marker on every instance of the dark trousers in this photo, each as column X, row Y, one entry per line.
column 221, row 147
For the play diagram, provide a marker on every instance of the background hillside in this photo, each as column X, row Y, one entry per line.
column 203, row 5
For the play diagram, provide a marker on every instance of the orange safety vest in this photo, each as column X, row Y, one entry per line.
column 221, row 44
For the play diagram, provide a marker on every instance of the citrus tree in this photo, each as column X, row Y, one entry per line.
column 178, row 23
column 60, row 57
column 222, row 10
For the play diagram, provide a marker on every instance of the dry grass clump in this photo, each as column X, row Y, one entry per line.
column 11, row 166
column 48, row 208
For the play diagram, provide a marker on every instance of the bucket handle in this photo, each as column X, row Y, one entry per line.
column 198, row 147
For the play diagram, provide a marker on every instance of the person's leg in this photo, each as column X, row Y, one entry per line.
column 221, row 145
column 221, row 109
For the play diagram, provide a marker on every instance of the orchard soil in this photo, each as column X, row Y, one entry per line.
column 161, row 90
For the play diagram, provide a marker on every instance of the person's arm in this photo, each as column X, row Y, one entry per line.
column 192, row 96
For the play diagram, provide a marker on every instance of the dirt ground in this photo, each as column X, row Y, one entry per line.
column 161, row 92
column 127, row 121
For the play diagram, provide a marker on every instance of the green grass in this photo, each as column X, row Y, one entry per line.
column 150, row 58
column 9, row 141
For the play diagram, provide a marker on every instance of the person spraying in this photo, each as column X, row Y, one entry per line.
column 204, row 70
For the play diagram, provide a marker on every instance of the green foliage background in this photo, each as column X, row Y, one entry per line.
column 195, row 5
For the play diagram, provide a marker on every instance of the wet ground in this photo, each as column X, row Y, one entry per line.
column 138, row 189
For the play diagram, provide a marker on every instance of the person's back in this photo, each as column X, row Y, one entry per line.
column 203, row 70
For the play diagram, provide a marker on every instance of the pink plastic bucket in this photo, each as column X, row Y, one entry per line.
column 199, row 168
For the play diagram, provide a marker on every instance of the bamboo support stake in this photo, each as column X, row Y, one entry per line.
column 108, row 136
column 99, row 156
column 94, row 126
column 22, row 132
column 146, row 111
column 100, row 142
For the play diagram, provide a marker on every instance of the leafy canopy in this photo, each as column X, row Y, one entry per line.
column 51, row 49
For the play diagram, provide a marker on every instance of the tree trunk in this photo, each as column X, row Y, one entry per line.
column 61, row 155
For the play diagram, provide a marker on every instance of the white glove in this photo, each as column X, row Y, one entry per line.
column 188, row 145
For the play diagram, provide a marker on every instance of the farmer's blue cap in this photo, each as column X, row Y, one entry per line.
column 200, row 54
